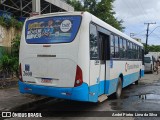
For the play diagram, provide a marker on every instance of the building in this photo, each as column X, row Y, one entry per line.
column 23, row 8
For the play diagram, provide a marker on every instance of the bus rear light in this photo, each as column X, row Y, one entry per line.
column 79, row 77
column 20, row 73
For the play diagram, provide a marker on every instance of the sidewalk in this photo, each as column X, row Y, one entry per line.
column 11, row 97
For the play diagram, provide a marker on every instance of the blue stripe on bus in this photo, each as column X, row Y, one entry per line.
column 80, row 93
column 128, row 79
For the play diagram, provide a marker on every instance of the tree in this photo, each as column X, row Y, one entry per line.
column 76, row 4
column 152, row 48
column 102, row 10
column 9, row 62
column 106, row 13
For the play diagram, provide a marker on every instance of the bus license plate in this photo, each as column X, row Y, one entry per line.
column 46, row 81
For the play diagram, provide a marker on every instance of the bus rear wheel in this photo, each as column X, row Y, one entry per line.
column 136, row 83
column 119, row 89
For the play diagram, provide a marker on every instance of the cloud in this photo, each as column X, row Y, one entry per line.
column 135, row 13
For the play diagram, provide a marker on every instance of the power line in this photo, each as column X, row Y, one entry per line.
column 155, row 35
column 137, row 34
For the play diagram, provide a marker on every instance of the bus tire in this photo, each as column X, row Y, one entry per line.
column 136, row 83
column 119, row 88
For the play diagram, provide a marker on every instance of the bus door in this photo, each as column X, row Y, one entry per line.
column 94, row 64
column 104, row 65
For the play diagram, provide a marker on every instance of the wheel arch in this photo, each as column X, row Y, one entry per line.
column 122, row 77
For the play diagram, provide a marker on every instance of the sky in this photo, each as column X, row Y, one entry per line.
column 135, row 13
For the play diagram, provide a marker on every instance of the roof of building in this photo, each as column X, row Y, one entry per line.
column 23, row 8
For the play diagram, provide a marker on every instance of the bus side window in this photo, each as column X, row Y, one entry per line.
column 93, row 43
column 140, row 53
column 133, row 51
column 112, row 43
column 137, row 52
column 116, row 47
column 104, row 47
column 130, row 50
column 121, row 48
column 125, row 47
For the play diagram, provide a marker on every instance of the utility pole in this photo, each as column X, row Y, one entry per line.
column 147, row 33
column 36, row 6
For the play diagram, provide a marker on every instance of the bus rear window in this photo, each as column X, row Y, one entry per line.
column 50, row 30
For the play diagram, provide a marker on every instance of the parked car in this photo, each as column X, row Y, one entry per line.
column 149, row 63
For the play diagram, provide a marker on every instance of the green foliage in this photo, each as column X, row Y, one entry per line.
column 11, row 23
column 9, row 61
column 2, row 22
column 15, row 53
column 15, row 46
column 154, row 48
column 6, row 64
column 19, row 25
column 76, row 4
column 102, row 10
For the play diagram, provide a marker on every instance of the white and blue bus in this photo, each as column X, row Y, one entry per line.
column 76, row 56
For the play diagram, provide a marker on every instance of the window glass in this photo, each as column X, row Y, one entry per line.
column 129, row 50
column 93, row 43
column 125, row 47
column 116, row 47
column 133, row 51
column 116, row 52
column 147, row 60
column 112, row 40
column 116, row 41
column 121, row 49
column 140, row 53
column 112, row 46
column 121, row 43
column 112, row 52
column 136, row 52
column 50, row 30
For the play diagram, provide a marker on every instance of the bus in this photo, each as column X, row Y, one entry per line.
column 77, row 56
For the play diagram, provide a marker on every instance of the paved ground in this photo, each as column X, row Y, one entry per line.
column 142, row 97
column 11, row 97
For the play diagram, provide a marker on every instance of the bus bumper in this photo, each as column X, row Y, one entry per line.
column 79, row 93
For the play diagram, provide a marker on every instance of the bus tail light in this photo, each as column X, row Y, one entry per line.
column 79, row 77
column 20, row 73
